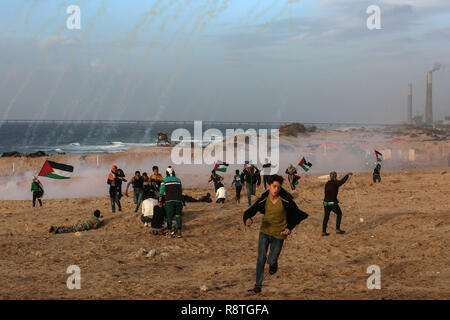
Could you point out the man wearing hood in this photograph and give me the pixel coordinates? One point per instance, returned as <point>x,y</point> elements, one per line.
<point>331,203</point>
<point>281,215</point>
<point>172,190</point>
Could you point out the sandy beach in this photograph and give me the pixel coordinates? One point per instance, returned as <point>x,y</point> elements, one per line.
<point>401,225</point>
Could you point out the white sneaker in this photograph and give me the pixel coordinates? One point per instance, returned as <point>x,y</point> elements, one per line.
<point>145,224</point>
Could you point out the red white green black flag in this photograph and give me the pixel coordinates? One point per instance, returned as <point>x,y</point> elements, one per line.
<point>56,170</point>
<point>305,164</point>
<point>379,156</point>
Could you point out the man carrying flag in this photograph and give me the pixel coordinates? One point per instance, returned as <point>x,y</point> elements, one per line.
<point>38,191</point>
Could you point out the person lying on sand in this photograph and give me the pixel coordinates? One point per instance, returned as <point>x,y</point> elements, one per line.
<point>281,215</point>
<point>92,223</point>
<point>331,203</point>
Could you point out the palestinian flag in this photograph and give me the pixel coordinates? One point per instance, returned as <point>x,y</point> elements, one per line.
<point>305,164</point>
<point>379,156</point>
<point>56,170</point>
<point>221,166</point>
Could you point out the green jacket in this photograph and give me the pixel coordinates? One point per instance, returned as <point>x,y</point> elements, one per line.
<point>92,223</point>
<point>34,187</point>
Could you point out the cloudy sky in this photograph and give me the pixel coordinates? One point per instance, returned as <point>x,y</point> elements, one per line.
<point>252,60</point>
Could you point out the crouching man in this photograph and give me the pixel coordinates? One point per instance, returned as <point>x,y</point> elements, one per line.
<point>281,215</point>
<point>92,223</point>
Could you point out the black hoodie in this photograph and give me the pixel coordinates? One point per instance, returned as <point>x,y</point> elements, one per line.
<point>293,214</point>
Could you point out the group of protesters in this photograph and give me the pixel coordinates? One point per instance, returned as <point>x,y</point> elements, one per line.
<point>162,201</point>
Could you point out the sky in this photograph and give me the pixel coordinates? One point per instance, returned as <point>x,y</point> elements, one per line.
<point>253,60</point>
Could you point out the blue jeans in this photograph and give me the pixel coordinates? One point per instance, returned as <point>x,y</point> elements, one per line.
<point>138,195</point>
<point>263,246</point>
<point>251,190</point>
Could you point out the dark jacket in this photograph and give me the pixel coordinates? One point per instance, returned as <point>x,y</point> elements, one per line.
<point>248,177</point>
<point>293,214</point>
<point>332,189</point>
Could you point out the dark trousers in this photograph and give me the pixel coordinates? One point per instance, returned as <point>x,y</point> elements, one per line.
<point>115,198</point>
<point>138,194</point>
<point>238,192</point>
<point>376,177</point>
<point>173,208</point>
<point>220,200</point>
<point>251,190</point>
<point>265,181</point>
<point>263,246</point>
<point>38,199</point>
<point>327,209</point>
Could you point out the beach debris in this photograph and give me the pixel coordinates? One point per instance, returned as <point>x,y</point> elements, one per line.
<point>152,253</point>
<point>164,254</point>
<point>443,172</point>
<point>361,219</point>
<point>38,254</point>
<point>142,252</point>
<point>77,234</point>
<point>203,288</point>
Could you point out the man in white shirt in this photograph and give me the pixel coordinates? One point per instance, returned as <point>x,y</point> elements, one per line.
<point>147,210</point>
<point>221,194</point>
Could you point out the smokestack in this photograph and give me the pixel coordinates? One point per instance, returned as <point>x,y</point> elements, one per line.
<point>429,105</point>
<point>410,120</point>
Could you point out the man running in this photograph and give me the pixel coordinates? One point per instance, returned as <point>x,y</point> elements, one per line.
<point>38,191</point>
<point>216,179</point>
<point>331,203</point>
<point>138,189</point>
<point>238,185</point>
<point>252,178</point>
<point>92,223</point>
<point>173,190</point>
<point>281,215</point>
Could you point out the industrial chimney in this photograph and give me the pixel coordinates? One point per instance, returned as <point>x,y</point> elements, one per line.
<point>410,119</point>
<point>429,105</point>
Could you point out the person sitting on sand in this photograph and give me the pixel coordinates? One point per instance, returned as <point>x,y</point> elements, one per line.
<point>159,214</point>
<point>281,215</point>
<point>221,194</point>
<point>38,191</point>
<point>376,174</point>
<point>331,203</point>
<point>92,223</point>
<point>172,189</point>
<point>147,210</point>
